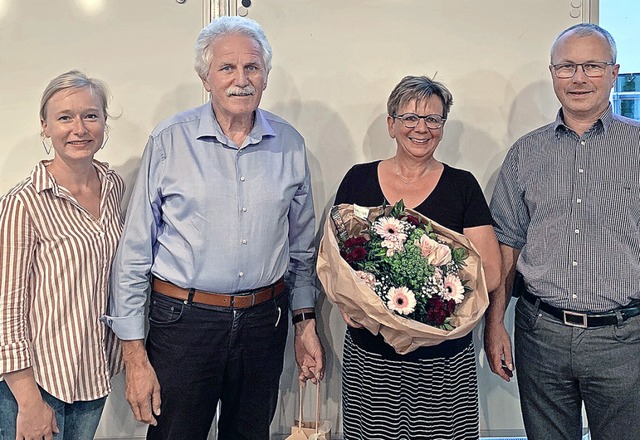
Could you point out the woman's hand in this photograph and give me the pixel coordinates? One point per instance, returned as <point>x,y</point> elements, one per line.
<point>36,420</point>
<point>350,322</point>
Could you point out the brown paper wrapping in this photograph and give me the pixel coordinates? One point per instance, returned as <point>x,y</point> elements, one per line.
<point>353,296</point>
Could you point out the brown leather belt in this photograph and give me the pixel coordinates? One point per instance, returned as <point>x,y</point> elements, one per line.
<point>241,300</point>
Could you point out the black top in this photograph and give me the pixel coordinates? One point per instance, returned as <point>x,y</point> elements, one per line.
<point>456,203</point>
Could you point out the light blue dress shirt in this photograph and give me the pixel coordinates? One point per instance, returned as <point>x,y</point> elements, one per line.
<point>208,215</point>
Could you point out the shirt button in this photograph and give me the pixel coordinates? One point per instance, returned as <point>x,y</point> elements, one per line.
<point>580,170</point>
<point>578,200</point>
<point>242,179</point>
<point>582,142</point>
<point>574,263</point>
<point>244,209</point>
<point>240,274</point>
<point>244,241</point>
<point>577,231</point>
<point>574,296</point>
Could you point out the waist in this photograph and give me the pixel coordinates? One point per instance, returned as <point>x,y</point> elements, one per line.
<point>585,319</point>
<point>240,300</point>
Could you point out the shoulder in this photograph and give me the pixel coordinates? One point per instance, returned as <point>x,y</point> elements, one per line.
<point>280,125</point>
<point>534,138</point>
<point>459,177</point>
<point>364,169</point>
<point>187,117</point>
<point>14,199</point>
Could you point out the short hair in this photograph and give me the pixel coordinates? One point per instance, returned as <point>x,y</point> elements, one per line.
<point>586,29</point>
<point>74,79</point>
<point>418,88</point>
<point>229,25</point>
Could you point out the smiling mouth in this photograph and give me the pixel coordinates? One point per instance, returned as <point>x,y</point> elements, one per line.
<point>420,141</point>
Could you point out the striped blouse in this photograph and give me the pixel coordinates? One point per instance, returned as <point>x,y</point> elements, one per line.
<point>55,259</point>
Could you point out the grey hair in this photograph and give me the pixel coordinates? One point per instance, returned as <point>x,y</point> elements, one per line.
<point>228,25</point>
<point>418,88</point>
<point>74,79</point>
<point>586,29</point>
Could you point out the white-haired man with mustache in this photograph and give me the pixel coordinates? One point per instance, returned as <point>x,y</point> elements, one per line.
<point>220,228</point>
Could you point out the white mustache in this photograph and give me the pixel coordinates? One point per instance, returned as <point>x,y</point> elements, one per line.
<point>241,91</point>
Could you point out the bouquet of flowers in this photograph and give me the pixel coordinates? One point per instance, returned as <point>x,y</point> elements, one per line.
<point>402,275</point>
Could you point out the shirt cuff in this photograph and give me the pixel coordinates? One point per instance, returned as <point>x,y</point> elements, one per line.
<point>126,328</point>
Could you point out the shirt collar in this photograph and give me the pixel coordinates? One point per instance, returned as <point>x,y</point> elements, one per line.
<point>43,180</point>
<point>209,127</point>
<point>602,123</point>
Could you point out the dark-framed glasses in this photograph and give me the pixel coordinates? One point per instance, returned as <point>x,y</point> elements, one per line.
<point>411,120</point>
<point>592,70</point>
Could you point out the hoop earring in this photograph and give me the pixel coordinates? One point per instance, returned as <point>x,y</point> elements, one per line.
<point>106,138</point>
<point>47,145</point>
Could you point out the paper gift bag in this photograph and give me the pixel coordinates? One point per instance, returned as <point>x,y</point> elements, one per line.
<point>310,429</point>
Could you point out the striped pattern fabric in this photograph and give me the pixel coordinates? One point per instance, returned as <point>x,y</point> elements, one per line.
<point>434,399</point>
<point>572,205</point>
<point>55,259</point>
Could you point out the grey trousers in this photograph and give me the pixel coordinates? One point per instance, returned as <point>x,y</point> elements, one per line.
<point>560,367</point>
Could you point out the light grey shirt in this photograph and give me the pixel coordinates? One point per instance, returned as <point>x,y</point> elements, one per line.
<point>571,204</point>
<point>208,215</point>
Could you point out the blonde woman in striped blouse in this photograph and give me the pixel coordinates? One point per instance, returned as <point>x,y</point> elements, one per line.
<point>58,232</point>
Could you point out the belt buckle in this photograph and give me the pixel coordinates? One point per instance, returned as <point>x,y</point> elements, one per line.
<point>583,324</point>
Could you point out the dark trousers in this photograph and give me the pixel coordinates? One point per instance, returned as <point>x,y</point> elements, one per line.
<point>205,354</point>
<point>560,367</point>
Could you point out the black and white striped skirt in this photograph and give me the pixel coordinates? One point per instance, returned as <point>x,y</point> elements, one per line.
<point>434,399</point>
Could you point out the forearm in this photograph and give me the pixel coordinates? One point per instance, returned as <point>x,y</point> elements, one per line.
<point>23,386</point>
<point>500,297</point>
<point>134,353</point>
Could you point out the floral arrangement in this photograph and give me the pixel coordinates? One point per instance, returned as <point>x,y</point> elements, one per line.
<point>413,271</point>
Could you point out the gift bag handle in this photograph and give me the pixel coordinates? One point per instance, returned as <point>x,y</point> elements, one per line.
<point>317,407</point>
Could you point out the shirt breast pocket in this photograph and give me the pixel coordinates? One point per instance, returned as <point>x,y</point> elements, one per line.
<point>617,204</point>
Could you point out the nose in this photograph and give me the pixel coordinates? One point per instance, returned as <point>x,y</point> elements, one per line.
<point>241,78</point>
<point>421,126</point>
<point>79,126</point>
<point>579,76</point>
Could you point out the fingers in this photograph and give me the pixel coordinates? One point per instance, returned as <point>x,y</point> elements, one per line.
<point>350,322</point>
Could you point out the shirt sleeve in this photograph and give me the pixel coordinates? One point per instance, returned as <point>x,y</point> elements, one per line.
<point>17,243</point>
<point>130,275</point>
<point>510,213</point>
<point>301,276</point>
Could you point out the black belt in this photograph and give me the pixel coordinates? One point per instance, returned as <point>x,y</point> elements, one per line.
<point>585,319</point>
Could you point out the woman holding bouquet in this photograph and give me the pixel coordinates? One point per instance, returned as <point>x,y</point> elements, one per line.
<point>429,393</point>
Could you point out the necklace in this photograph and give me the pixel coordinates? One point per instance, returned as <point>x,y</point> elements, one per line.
<point>402,179</point>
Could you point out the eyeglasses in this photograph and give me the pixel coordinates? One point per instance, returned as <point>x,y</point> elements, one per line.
<point>592,70</point>
<point>411,120</point>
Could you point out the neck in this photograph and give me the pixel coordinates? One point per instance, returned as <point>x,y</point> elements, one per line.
<point>72,175</point>
<point>412,172</point>
<point>235,126</point>
<point>580,123</point>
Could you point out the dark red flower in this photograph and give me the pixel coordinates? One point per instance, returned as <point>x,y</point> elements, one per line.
<point>356,254</point>
<point>415,221</point>
<point>355,241</point>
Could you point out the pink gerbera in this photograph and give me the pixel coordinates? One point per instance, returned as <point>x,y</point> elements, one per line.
<point>401,300</point>
<point>390,229</point>
<point>453,289</point>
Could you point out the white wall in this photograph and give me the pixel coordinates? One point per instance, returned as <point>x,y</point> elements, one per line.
<point>335,63</point>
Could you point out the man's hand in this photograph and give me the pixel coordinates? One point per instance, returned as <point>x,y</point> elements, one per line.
<point>497,345</point>
<point>309,352</point>
<point>143,388</point>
